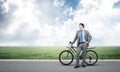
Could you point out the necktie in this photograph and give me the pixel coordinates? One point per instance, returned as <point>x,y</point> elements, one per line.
<point>81,36</point>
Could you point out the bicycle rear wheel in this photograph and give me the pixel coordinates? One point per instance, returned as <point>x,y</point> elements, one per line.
<point>91,57</point>
<point>66,57</point>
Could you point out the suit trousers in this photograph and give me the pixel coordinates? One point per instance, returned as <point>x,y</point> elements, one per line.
<point>82,47</point>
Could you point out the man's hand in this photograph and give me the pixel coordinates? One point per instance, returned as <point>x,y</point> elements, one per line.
<point>70,42</point>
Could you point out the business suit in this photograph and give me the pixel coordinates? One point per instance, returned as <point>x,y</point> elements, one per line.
<point>82,46</point>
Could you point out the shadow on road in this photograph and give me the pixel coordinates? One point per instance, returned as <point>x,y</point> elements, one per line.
<point>96,65</point>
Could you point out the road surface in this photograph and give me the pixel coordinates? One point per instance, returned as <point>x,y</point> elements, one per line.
<point>55,66</point>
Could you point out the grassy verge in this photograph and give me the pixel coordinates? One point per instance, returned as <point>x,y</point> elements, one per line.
<point>29,52</point>
<point>108,52</point>
<point>52,52</point>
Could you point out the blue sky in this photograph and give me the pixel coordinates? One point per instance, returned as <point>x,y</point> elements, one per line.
<point>117,4</point>
<point>54,22</point>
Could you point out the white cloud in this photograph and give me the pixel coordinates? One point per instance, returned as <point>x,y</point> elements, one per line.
<point>24,21</point>
<point>98,16</point>
<point>58,3</point>
<point>33,23</point>
<point>24,14</point>
<point>40,23</point>
<point>4,6</point>
<point>12,43</point>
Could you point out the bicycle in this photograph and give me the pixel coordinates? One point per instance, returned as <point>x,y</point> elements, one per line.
<point>66,57</point>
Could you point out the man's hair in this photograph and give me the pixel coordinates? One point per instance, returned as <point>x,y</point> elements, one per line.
<point>82,24</point>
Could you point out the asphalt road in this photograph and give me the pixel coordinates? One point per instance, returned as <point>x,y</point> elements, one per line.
<point>55,66</point>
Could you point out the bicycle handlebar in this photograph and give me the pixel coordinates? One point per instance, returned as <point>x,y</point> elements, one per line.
<point>71,45</point>
<point>70,42</point>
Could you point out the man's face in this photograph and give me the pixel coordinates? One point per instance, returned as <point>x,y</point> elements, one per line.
<point>81,27</point>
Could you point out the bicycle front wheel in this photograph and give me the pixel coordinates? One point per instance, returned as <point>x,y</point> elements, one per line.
<point>91,57</point>
<point>66,57</point>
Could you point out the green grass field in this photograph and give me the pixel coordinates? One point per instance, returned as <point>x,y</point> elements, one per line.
<point>52,52</point>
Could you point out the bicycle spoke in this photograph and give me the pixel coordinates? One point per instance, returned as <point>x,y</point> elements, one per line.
<point>91,57</point>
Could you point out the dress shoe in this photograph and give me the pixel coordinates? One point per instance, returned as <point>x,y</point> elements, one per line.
<point>76,66</point>
<point>83,66</point>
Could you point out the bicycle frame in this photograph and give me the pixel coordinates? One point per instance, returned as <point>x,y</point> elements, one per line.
<point>72,48</point>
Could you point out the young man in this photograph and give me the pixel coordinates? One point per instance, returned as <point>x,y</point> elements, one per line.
<point>83,38</point>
